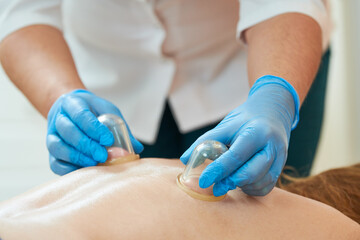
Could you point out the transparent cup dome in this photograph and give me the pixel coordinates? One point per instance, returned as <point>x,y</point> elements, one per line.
<point>204,154</point>
<point>122,149</point>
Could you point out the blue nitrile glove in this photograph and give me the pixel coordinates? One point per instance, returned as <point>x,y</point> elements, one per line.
<point>258,133</point>
<point>75,137</point>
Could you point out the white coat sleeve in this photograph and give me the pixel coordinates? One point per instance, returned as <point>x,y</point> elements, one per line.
<point>16,14</point>
<point>253,12</point>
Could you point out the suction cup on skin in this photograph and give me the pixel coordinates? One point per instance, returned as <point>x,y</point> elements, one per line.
<point>204,154</point>
<point>122,150</point>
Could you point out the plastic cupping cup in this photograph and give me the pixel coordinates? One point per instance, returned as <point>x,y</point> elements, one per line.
<point>122,149</point>
<point>205,153</point>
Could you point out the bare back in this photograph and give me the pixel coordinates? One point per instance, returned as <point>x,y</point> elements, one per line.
<point>140,200</point>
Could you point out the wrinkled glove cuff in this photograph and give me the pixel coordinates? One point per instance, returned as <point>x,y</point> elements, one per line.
<point>270,79</point>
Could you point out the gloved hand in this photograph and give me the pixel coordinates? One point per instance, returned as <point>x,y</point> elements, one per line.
<point>75,137</point>
<point>258,133</point>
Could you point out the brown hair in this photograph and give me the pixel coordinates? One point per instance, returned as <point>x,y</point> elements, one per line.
<point>339,188</point>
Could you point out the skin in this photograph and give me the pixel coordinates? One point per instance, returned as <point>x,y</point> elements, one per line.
<point>38,61</point>
<point>140,200</point>
<point>287,46</point>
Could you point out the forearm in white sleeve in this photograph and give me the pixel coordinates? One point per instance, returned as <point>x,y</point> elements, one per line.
<point>16,14</point>
<point>253,12</point>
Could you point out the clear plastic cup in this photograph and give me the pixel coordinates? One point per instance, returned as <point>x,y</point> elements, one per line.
<point>204,154</point>
<point>122,150</point>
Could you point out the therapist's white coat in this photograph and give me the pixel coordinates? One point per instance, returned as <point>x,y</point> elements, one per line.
<point>138,53</point>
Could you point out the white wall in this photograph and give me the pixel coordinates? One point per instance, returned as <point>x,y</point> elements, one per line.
<point>24,158</point>
<point>352,43</point>
<point>23,154</point>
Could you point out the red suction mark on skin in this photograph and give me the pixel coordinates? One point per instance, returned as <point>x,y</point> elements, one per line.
<point>116,152</point>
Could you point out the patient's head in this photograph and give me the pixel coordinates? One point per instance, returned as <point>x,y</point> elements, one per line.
<point>339,188</point>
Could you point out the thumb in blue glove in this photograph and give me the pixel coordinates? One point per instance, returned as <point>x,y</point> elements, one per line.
<point>75,137</point>
<point>258,134</point>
